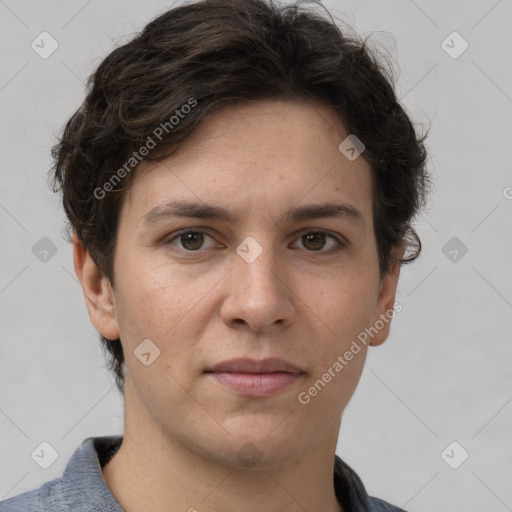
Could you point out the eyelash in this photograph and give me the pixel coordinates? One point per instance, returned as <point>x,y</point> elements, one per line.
<point>177,235</point>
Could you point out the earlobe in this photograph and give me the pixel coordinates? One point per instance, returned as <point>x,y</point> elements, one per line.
<point>386,300</point>
<point>98,292</point>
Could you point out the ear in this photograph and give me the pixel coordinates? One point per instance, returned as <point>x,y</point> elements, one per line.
<point>98,292</point>
<point>386,300</point>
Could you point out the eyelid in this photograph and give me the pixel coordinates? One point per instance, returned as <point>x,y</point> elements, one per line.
<point>339,238</point>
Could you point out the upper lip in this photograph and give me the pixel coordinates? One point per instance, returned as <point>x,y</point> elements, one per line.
<point>245,365</point>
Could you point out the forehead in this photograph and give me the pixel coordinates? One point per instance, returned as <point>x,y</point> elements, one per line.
<point>257,157</point>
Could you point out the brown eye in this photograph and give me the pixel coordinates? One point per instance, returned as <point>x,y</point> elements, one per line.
<point>192,240</point>
<point>315,241</point>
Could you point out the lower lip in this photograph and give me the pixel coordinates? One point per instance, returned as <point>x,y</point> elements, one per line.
<point>256,384</point>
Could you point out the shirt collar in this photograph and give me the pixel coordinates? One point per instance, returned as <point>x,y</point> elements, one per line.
<point>349,488</point>
<point>83,482</point>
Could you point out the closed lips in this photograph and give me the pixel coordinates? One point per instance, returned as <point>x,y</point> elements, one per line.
<point>244,365</point>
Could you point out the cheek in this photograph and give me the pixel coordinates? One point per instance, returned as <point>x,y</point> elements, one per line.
<point>343,306</point>
<point>344,309</point>
<point>143,303</point>
<point>163,303</point>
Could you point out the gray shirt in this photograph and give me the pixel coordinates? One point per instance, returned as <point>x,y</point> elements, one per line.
<point>82,487</point>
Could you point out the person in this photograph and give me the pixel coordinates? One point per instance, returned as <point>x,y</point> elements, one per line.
<point>240,183</point>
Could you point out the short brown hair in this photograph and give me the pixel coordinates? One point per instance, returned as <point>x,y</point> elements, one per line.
<point>219,53</point>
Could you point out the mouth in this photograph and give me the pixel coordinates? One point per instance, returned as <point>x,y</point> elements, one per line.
<point>253,378</point>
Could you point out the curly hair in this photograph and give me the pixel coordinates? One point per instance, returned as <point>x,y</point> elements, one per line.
<point>220,53</point>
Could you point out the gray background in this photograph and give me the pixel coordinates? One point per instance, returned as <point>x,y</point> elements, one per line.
<point>444,373</point>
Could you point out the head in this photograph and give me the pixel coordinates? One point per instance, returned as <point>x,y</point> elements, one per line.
<point>242,108</point>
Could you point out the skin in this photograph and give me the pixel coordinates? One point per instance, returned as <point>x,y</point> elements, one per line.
<point>183,430</point>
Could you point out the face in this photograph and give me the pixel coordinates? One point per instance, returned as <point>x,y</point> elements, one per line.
<point>261,274</point>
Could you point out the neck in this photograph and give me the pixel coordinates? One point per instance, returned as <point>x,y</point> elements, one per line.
<point>158,472</point>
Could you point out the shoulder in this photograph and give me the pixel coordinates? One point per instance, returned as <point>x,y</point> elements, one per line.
<point>49,496</point>
<point>80,488</point>
<point>352,494</point>
<point>378,505</point>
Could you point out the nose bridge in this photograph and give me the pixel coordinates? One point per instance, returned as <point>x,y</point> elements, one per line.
<point>257,293</point>
<point>256,264</point>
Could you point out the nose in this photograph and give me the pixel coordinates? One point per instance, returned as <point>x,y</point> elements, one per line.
<point>259,293</point>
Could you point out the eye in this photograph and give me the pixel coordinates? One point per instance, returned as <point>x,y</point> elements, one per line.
<point>314,241</point>
<point>191,240</point>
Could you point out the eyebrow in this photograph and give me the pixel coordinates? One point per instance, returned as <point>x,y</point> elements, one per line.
<point>187,209</point>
